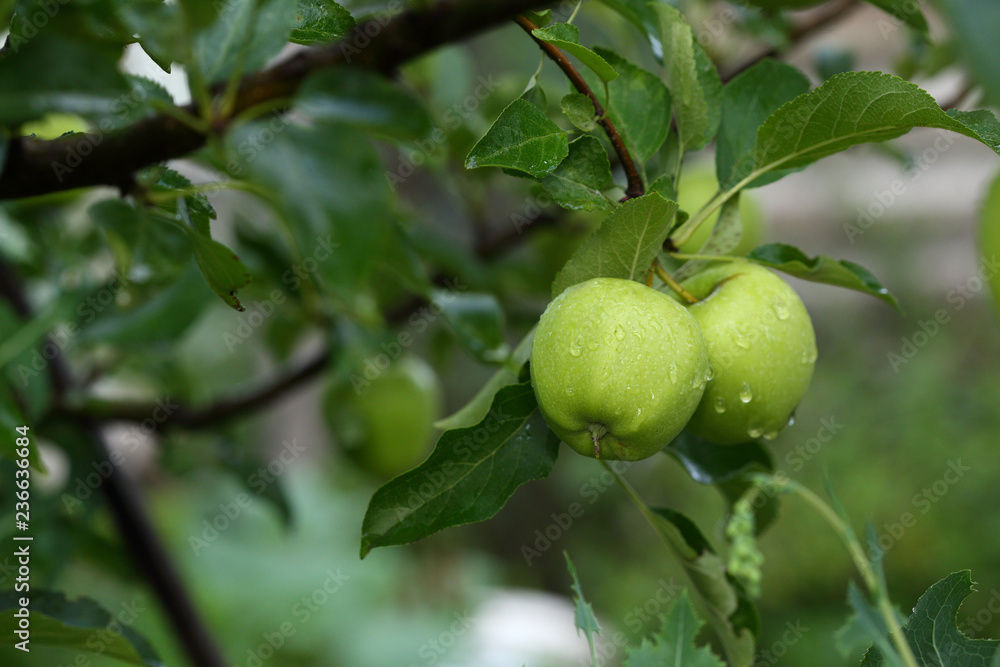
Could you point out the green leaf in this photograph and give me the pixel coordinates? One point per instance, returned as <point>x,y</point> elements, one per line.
<point>319,21</point>
<point>477,321</point>
<point>624,246</point>
<point>366,100</point>
<point>11,418</point>
<point>59,69</point>
<point>132,107</point>
<point>640,13</point>
<point>729,467</point>
<point>540,18</point>
<point>873,624</point>
<point>905,10</point>
<point>247,34</point>
<point>821,269</point>
<point>933,633</point>
<point>522,138</point>
<point>854,108</point>
<point>476,409</point>
<point>693,81</point>
<point>468,478</point>
<point>675,643</point>
<point>747,101</point>
<point>978,22</point>
<point>199,14</point>
<point>328,183</point>
<point>221,267</point>
<point>586,621</point>
<point>566,36</point>
<point>729,612</point>
<point>161,319</point>
<point>638,103</point>
<point>709,463</point>
<point>199,211</point>
<point>580,110</point>
<point>580,180</point>
<point>79,625</point>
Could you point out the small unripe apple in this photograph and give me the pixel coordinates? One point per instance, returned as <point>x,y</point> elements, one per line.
<point>762,348</point>
<point>384,425</point>
<point>618,368</point>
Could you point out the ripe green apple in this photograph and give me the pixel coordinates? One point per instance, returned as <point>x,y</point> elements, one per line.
<point>618,368</point>
<point>698,185</point>
<point>385,425</point>
<point>762,348</point>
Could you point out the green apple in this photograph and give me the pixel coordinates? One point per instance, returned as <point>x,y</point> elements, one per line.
<point>618,368</point>
<point>385,424</point>
<point>697,186</point>
<point>54,125</point>
<point>762,348</point>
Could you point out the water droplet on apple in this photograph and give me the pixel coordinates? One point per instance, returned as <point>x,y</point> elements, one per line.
<point>741,341</point>
<point>755,432</point>
<point>570,391</point>
<point>672,373</point>
<point>577,347</point>
<point>808,356</point>
<point>781,310</point>
<point>770,435</point>
<point>720,405</point>
<point>710,374</point>
<point>619,332</point>
<point>745,394</point>
<point>791,419</point>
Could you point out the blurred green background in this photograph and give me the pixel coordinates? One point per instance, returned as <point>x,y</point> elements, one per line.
<point>282,583</point>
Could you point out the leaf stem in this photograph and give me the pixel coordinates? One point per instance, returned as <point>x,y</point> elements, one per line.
<point>673,284</point>
<point>635,187</point>
<point>676,550</point>
<point>863,565</point>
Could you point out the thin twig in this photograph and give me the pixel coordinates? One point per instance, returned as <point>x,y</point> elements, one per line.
<point>635,187</point>
<point>802,31</point>
<point>134,525</point>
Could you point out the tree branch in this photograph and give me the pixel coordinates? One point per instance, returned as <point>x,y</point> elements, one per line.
<point>635,188</point>
<point>802,31</point>
<point>36,167</point>
<point>213,414</point>
<point>134,525</point>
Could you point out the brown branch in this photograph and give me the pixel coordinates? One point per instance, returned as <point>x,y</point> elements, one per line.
<point>133,523</point>
<point>817,21</point>
<point>213,414</point>
<point>635,187</point>
<point>36,167</point>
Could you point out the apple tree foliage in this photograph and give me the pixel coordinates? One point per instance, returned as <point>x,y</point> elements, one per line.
<point>334,124</point>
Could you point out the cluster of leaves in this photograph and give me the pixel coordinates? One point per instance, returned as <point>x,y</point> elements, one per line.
<point>319,174</point>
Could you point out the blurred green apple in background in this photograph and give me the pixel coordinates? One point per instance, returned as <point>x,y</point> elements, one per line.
<point>762,348</point>
<point>697,185</point>
<point>618,368</point>
<point>385,426</point>
<point>54,125</point>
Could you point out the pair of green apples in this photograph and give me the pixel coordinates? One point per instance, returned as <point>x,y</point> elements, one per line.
<point>619,368</point>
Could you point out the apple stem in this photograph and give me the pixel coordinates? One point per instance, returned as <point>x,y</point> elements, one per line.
<point>597,431</point>
<point>673,284</point>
